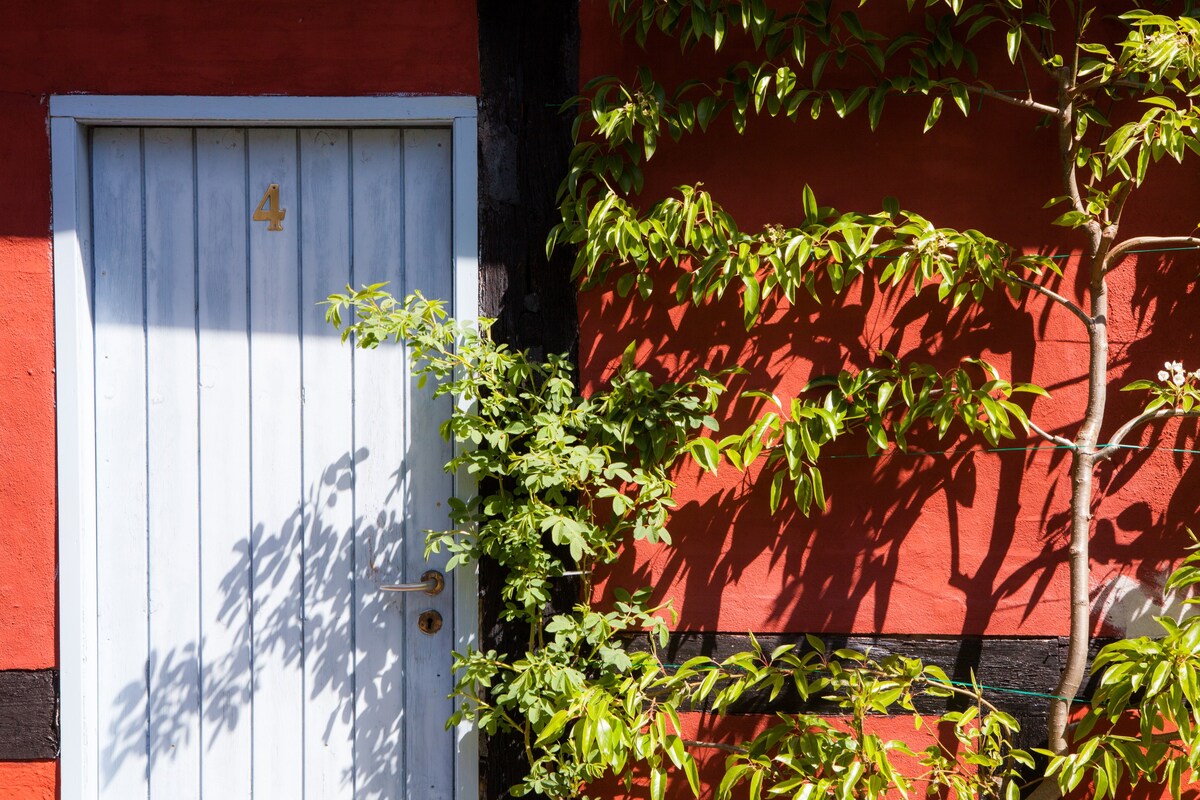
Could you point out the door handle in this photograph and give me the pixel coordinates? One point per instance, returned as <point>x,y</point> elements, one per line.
<point>432,582</point>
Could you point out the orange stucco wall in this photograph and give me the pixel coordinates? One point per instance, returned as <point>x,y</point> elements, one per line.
<point>33,780</point>
<point>964,543</point>
<point>147,47</point>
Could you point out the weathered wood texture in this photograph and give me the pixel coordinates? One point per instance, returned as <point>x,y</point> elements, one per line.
<point>1022,664</point>
<point>258,479</point>
<point>28,714</point>
<point>529,54</point>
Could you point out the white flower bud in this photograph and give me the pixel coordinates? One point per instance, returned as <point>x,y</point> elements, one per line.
<point>1162,375</point>
<point>1178,379</point>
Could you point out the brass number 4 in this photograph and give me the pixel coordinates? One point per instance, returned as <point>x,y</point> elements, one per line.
<point>268,209</point>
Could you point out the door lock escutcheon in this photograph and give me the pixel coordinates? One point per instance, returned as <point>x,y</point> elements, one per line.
<point>429,622</point>
<point>432,582</point>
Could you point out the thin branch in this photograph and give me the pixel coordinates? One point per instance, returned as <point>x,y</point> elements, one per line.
<point>1114,441</point>
<point>1081,89</point>
<point>1147,241</point>
<point>1058,298</point>
<point>1068,144</point>
<point>1020,102</point>
<point>729,748</point>
<point>1050,437</point>
<point>963,693</point>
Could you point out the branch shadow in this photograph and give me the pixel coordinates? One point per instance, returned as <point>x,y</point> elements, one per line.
<point>294,607</point>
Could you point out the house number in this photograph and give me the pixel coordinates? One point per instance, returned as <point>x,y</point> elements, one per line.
<point>268,209</point>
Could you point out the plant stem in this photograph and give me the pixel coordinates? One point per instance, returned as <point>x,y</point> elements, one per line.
<point>1083,457</point>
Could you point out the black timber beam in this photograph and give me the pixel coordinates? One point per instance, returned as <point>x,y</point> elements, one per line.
<point>1021,670</point>
<point>529,67</point>
<point>28,714</point>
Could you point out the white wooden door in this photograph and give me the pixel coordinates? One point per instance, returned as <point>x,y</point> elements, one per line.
<point>257,480</point>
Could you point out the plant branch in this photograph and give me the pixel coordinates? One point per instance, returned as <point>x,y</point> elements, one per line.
<point>1020,102</point>
<point>949,687</point>
<point>729,748</point>
<point>1050,437</point>
<point>1114,442</point>
<point>1068,143</point>
<point>1122,248</point>
<point>1058,298</point>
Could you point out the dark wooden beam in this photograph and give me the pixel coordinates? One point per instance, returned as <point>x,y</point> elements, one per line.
<point>28,715</point>
<point>529,66</point>
<point>1024,666</point>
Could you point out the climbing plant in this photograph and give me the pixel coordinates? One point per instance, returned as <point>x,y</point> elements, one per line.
<point>566,482</point>
<point>570,480</point>
<point>1116,106</point>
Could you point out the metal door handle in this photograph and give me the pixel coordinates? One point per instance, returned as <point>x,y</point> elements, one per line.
<point>432,582</point>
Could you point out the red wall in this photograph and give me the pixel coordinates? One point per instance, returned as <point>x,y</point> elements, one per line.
<point>967,543</point>
<point>297,47</point>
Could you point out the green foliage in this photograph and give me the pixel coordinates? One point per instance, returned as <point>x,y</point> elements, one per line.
<point>807,756</point>
<point>1153,686</point>
<point>565,481</point>
<point>558,472</point>
<point>1157,62</point>
<point>1175,388</point>
<point>696,233</point>
<point>881,402</point>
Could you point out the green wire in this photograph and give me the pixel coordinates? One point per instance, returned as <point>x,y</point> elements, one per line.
<point>1006,450</point>
<point>969,685</point>
<point>1006,690</point>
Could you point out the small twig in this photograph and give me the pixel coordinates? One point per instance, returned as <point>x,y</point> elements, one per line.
<point>1050,437</point>
<point>1146,241</point>
<point>729,748</point>
<point>1020,102</point>
<point>1114,441</point>
<point>963,692</point>
<point>1058,298</point>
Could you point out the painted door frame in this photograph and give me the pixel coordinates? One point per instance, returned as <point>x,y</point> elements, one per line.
<point>70,118</point>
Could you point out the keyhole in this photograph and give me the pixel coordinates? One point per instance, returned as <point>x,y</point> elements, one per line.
<point>429,622</point>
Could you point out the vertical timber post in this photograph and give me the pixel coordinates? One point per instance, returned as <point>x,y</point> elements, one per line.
<point>529,64</point>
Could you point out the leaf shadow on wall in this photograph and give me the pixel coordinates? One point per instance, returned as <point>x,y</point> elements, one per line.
<point>960,542</point>
<point>293,611</point>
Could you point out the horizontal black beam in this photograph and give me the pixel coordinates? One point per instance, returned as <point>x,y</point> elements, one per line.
<point>28,714</point>
<point>1024,666</point>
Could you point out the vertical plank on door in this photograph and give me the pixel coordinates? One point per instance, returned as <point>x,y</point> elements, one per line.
<point>122,647</point>
<point>380,389</point>
<point>171,464</point>
<point>429,268</point>
<point>223,217</point>
<point>275,479</point>
<point>324,222</point>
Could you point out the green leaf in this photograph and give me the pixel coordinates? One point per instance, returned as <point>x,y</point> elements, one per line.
<point>811,210</point>
<point>935,111</point>
<point>776,490</point>
<point>961,99</point>
<point>1013,43</point>
<point>658,783</point>
<point>750,300</point>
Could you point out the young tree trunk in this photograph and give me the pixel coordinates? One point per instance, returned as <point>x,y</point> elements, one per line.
<point>1083,457</point>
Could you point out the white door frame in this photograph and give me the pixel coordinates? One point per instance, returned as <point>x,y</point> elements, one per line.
<point>70,118</point>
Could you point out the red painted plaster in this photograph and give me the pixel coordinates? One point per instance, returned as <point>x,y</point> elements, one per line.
<point>29,780</point>
<point>235,47</point>
<point>968,542</point>
<point>27,466</point>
